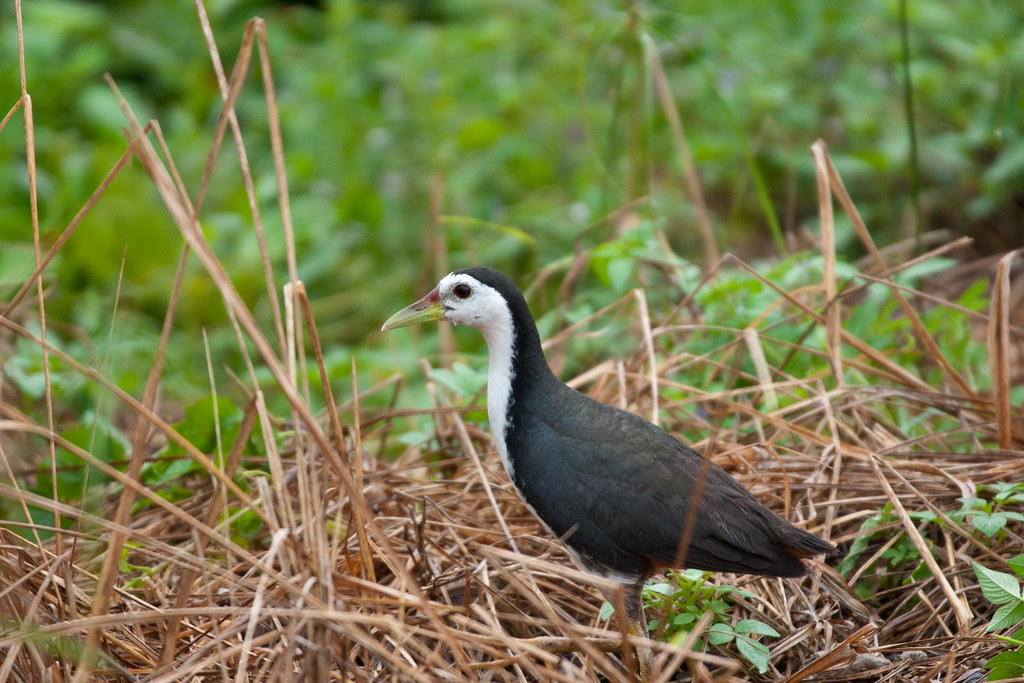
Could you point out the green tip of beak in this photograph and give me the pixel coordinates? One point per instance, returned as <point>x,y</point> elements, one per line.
<point>426,309</point>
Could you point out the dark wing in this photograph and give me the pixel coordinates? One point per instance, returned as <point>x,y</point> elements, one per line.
<point>622,495</point>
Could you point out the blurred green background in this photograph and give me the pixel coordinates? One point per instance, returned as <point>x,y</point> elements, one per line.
<point>537,119</point>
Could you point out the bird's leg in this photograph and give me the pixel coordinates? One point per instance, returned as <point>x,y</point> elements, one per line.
<point>638,627</point>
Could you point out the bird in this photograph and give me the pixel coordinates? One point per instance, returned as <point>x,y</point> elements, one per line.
<point>617,490</point>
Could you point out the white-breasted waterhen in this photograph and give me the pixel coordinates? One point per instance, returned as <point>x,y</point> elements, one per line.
<point>614,487</point>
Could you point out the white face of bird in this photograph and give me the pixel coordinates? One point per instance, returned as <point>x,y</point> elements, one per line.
<point>467,301</point>
<point>461,299</point>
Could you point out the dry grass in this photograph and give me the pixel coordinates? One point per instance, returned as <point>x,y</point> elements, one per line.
<point>429,567</point>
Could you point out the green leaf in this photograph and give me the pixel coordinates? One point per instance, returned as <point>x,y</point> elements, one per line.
<point>677,639</point>
<point>73,474</point>
<point>16,263</point>
<point>1006,616</point>
<point>1006,665</point>
<point>620,273</point>
<point>177,467</point>
<point>661,589</point>
<point>756,627</point>
<point>607,610</point>
<point>913,274</point>
<point>921,573</point>
<point>248,525</point>
<point>1014,496</point>
<point>989,525</point>
<point>1016,563</point>
<point>461,379</point>
<point>738,591</point>
<point>684,618</point>
<point>416,437</point>
<point>974,297</point>
<point>1011,496</point>
<point>755,652</point>
<point>200,427</point>
<point>720,634</point>
<point>27,376</point>
<point>860,543</point>
<point>126,566</point>
<point>1000,488</point>
<point>997,586</point>
<point>480,133</point>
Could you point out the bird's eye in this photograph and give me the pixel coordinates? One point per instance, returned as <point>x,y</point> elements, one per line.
<point>462,290</point>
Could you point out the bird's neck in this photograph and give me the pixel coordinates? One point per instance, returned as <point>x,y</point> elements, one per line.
<point>515,358</point>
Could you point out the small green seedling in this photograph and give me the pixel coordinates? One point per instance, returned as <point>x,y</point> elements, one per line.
<point>684,598</point>
<point>1004,590</point>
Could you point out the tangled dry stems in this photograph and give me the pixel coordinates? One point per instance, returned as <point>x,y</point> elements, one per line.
<point>457,579</point>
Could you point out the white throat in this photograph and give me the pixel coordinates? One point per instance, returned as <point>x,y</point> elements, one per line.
<point>500,339</point>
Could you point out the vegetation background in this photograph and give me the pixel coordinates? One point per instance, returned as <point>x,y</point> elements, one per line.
<point>586,148</point>
<point>536,118</point>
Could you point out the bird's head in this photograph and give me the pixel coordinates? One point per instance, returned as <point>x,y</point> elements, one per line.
<point>465,298</point>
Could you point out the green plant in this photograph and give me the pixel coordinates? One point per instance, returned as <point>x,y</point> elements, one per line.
<point>989,516</point>
<point>685,597</point>
<point>556,130</point>
<point>211,426</point>
<point>1004,590</point>
<point>901,562</point>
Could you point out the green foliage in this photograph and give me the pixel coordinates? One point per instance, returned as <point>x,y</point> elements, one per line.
<point>686,597</point>
<point>901,562</point>
<point>68,649</point>
<point>75,478</point>
<point>989,517</point>
<point>461,379</point>
<point>736,299</point>
<point>209,426</point>
<point>76,482</point>
<point>1009,664</point>
<point>212,427</point>
<point>755,652</point>
<point>537,116</point>
<point>127,567</point>
<point>617,262</point>
<point>246,526</point>
<point>1004,590</point>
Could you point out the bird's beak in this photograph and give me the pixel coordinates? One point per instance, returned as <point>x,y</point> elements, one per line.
<point>426,309</point>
